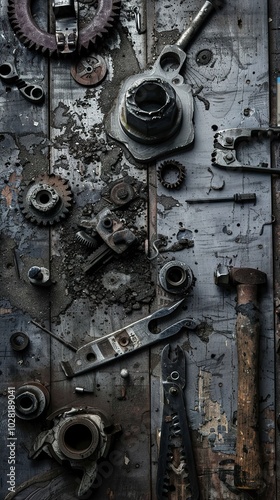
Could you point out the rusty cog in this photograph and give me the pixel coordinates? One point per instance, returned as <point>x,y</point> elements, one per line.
<point>46,199</point>
<point>33,37</point>
<point>171,174</point>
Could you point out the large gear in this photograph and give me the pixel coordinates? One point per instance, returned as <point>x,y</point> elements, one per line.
<point>33,37</point>
<point>46,199</point>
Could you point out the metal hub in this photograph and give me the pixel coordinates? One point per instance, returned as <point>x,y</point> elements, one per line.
<point>46,199</point>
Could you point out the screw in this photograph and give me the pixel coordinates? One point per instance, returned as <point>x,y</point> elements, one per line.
<point>173,391</point>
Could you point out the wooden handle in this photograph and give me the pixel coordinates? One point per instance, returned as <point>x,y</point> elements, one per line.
<point>248,471</point>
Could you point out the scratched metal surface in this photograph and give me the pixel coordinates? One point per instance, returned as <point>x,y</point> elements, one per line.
<point>67,136</point>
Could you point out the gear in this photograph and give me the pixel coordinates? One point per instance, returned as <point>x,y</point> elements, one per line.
<point>33,37</point>
<point>46,199</point>
<point>171,174</point>
<point>86,239</point>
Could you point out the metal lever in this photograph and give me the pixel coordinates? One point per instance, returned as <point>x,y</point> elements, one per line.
<point>142,333</point>
<point>33,93</point>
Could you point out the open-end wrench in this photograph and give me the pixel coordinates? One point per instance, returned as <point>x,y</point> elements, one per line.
<point>176,473</point>
<point>33,93</point>
<point>129,339</point>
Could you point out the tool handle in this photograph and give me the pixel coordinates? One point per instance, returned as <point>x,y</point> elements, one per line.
<point>244,197</point>
<point>248,472</point>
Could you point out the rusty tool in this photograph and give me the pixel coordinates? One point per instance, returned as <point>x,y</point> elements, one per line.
<point>248,470</point>
<point>176,468</point>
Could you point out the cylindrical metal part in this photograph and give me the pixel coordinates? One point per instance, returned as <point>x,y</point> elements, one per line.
<point>196,23</point>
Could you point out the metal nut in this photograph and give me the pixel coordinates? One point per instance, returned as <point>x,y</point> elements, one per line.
<point>26,403</point>
<point>151,111</point>
<point>222,275</point>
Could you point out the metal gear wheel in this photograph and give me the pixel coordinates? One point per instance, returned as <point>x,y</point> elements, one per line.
<point>171,174</point>
<point>46,199</point>
<point>29,33</point>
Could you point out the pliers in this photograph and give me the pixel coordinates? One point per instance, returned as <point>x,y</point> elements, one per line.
<point>176,475</point>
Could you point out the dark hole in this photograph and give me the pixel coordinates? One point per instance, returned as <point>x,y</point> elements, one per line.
<point>26,403</point>
<point>78,437</point>
<point>91,356</point>
<point>44,197</point>
<point>150,97</point>
<point>175,275</point>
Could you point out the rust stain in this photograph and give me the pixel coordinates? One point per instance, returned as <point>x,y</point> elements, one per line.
<point>5,311</point>
<point>8,190</point>
<point>110,494</point>
<point>215,419</point>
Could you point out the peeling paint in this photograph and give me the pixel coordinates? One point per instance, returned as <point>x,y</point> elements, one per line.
<point>215,423</point>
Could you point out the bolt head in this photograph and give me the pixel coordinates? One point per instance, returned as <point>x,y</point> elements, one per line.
<point>222,275</point>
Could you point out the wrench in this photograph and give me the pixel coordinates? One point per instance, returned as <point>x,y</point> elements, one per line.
<point>33,93</point>
<point>127,340</point>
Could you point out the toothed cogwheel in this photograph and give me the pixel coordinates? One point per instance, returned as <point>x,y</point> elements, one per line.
<point>33,37</point>
<point>171,174</point>
<point>45,200</point>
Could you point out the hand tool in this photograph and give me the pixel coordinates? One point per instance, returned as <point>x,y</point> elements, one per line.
<point>176,467</point>
<point>248,471</point>
<point>236,198</point>
<point>33,93</point>
<point>225,142</point>
<point>142,333</point>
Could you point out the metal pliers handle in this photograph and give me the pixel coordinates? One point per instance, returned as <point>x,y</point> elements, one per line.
<point>176,458</point>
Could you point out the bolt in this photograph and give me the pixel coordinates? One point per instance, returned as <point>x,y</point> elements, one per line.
<point>124,373</point>
<point>35,273</point>
<point>229,140</point>
<point>122,193</point>
<point>173,391</point>
<point>229,157</point>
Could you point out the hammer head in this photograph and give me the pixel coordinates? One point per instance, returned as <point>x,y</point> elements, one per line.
<point>239,276</point>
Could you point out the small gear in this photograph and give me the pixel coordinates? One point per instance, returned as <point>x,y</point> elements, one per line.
<point>45,199</point>
<point>171,174</point>
<point>86,239</point>
<point>33,37</point>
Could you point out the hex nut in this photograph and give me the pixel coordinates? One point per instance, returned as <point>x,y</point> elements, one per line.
<point>31,400</point>
<point>26,403</point>
<point>151,111</point>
